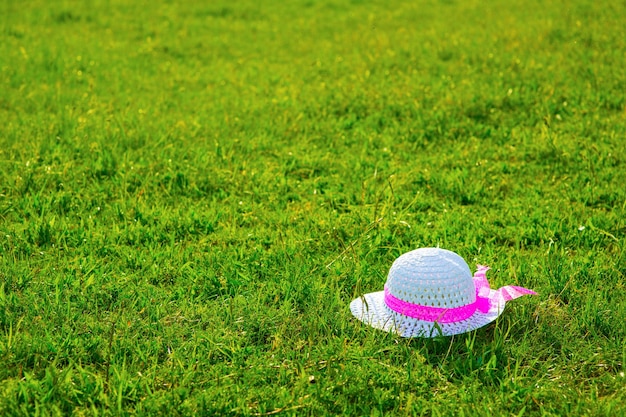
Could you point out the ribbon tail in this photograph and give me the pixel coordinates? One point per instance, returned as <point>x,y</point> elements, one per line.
<point>511,292</point>
<point>486,298</point>
<point>483,291</point>
<point>480,281</point>
<point>508,293</point>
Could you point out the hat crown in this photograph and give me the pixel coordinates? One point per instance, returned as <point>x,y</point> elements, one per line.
<point>432,277</point>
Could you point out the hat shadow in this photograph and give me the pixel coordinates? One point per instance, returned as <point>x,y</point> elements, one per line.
<point>484,353</point>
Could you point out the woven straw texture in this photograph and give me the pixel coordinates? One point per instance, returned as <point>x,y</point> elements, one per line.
<point>371,309</point>
<point>430,277</point>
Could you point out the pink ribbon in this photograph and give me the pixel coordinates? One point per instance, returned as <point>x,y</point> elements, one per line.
<point>484,301</point>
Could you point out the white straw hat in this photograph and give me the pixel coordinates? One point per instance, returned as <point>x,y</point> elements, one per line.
<point>431,292</point>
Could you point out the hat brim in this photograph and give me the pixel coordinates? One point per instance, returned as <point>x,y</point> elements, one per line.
<point>372,310</point>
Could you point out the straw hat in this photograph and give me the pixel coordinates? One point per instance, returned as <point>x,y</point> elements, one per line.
<point>431,292</point>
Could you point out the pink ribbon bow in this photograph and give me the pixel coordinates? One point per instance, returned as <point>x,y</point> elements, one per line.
<point>485,299</point>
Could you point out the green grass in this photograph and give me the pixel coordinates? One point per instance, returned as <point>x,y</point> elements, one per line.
<point>191,194</point>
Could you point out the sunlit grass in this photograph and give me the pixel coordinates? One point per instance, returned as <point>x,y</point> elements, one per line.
<point>191,194</point>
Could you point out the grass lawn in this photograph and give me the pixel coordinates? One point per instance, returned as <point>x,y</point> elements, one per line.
<point>191,193</point>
